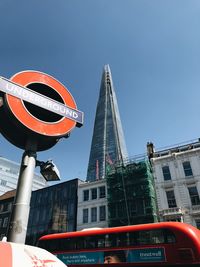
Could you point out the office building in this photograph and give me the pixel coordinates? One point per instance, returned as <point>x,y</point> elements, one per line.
<point>9,173</point>
<point>177,180</point>
<point>92,205</point>
<point>53,210</point>
<point>108,143</point>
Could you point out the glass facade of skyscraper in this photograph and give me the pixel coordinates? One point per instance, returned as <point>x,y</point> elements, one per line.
<point>108,143</point>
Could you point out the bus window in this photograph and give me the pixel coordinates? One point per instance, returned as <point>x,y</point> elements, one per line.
<point>79,243</point>
<point>107,242</point>
<point>51,245</point>
<point>112,240</point>
<point>65,244</point>
<point>101,241</point>
<point>157,236</point>
<point>122,239</point>
<point>117,240</point>
<point>133,238</point>
<point>90,242</point>
<point>144,237</point>
<point>151,237</point>
<point>169,237</point>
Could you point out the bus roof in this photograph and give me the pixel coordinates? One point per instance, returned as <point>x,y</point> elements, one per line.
<point>174,226</point>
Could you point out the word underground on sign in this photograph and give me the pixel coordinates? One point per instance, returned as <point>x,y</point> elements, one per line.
<point>40,100</point>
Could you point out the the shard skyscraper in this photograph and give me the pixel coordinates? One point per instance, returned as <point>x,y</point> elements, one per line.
<point>108,143</point>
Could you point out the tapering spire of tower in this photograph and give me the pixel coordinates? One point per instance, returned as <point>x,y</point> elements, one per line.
<point>108,143</point>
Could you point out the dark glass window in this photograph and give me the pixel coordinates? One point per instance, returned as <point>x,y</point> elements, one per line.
<point>112,212</point>
<point>71,209</point>
<point>90,242</point>
<point>1,207</point>
<point>194,196</point>
<point>102,192</point>
<point>171,199</point>
<point>39,198</point>
<point>132,208</point>
<point>94,193</point>
<point>85,195</point>
<point>101,241</point>
<point>50,196</point>
<point>93,214</point>
<point>10,206</point>
<point>37,216</point>
<point>85,215</point>
<point>166,173</point>
<point>5,222</point>
<point>102,213</point>
<point>53,210</point>
<point>197,223</point>
<point>121,210</point>
<point>187,168</point>
<point>151,237</point>
<point>169,236</point>
<point>43,215</point>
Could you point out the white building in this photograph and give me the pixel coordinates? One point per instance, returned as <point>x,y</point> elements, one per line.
<point>9,173</point>
<point>177,181</point>
<point>92,205</point>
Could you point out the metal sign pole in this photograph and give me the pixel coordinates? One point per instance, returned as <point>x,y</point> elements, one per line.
<point>20,212</point>
<point>34,129</point>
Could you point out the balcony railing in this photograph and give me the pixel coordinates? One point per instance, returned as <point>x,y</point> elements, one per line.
<point>195,210</point>
<point>177,211</point>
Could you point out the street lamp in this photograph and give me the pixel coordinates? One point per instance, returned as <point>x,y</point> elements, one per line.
<point>20,212</point>
<point>48,170</point>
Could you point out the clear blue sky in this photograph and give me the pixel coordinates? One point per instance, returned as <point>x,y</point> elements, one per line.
<point>152,47</point>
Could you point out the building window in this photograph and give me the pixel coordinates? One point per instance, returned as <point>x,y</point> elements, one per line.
<point>194,196</point>
<point>70,209</point>
<point>102,192</point>
<point>85,215</point>
<point>1,207</point>
<point>171,199</point>
<point>37,216</point>
<point>197,221</point>
<point>187,168</point>
<point>166,173</point>
<point>132,208</point>
<point>10,206</point>
<point>93,214</point>
<point>5,222</point>
<point>3,182</point>
<point>102,213</point>
<point>43,215</point>
<point>94,193</point>
<point>85,195</point>
<point>39,198</point>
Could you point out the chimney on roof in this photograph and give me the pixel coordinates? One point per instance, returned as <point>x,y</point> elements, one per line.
<point>150,150</point>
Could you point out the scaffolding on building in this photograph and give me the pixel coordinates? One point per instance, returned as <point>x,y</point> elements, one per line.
<point>131,193</point>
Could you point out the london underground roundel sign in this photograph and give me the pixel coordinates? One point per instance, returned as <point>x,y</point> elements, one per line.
<point>37,109</point>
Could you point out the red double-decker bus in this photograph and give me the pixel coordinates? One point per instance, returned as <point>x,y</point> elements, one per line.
<point>153,244</point>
